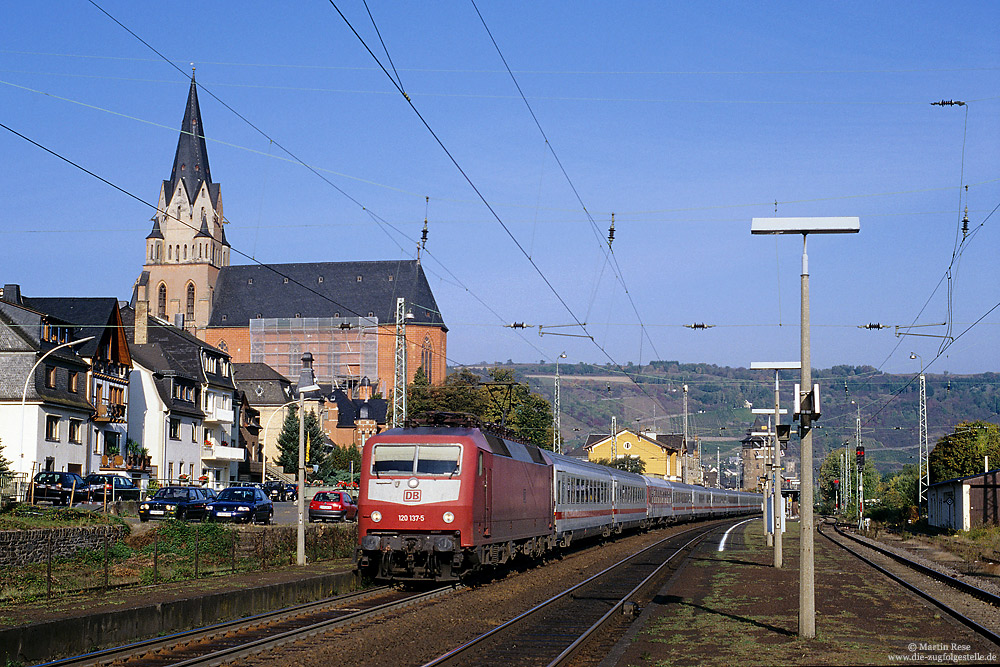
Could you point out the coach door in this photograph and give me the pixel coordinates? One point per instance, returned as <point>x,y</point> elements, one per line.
<point>484,492</point>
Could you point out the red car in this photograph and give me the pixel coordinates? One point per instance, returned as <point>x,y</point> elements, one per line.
<point>333,506</point>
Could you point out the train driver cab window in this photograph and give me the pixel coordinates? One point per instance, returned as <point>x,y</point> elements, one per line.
<point>410,459</point>
<point>393,459</point>
<point>481,466</point>
<point>438,459</point>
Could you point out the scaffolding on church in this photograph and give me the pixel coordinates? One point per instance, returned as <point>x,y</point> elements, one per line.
<point>344,349</point>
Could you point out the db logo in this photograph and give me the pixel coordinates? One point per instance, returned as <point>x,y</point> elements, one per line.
<point>411,496</point>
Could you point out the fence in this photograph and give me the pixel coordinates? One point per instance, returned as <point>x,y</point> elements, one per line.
<point>173,551</point>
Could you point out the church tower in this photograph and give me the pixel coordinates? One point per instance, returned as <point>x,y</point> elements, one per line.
<point>187,245</point>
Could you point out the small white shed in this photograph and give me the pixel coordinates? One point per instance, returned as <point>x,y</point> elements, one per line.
<point>965,502</point>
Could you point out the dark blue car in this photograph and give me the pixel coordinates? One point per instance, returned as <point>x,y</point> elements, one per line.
<point>244,504</point>
<point>175,502</point>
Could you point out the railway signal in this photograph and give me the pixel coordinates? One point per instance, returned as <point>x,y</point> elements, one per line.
<point>860,454</point>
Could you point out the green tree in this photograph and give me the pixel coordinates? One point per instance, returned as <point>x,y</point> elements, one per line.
<point>626,463</point>
<point>963,451</point>
<point>898,492</point>
<point>288,443</point>
<point>4,463</point>
<point>829,472</point>
<point>527,415</point>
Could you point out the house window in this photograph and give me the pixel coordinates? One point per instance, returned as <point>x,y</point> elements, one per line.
<point>194,433</point>
<point>112,443</point>
<point>73,382</point>
<point>50,377</point>
<point>175,429</point>
<point>190,302</point>
<point>52,428</point>
<point>161,301</point>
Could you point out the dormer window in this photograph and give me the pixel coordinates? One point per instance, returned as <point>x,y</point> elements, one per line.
<point>223,318</point>
<point>390,277</point>
<point>285,280</point>
<point>359,279</point>
<point>320,279</point>
<point>249,281</point>
<point>298,314</point>
<point>183,167</point>
<point>371,313</point>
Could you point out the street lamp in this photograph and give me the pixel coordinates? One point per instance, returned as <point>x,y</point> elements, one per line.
<point>807,571</point>
<point>923,463</point>
<point>557,424</point>
<point>777,504</point>
<point>307,383</point>
<point>263,471</point>
<point>24,394</point>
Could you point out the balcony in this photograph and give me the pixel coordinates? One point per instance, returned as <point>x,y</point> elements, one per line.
<point>219,415</point>
<point>129,463</point>
<point>110,412</point>
<point>222,453</point>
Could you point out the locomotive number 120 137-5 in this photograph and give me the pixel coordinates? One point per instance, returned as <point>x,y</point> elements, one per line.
<point>411,517</point>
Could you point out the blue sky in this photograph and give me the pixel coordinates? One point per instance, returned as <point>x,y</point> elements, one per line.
<point>685,120</point>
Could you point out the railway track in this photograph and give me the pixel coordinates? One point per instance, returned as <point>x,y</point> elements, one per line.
<point>232,640</point>
<point>566,626</point>
<point>972,606</point>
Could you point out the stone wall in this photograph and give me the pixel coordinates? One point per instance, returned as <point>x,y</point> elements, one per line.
<point>18,547</point>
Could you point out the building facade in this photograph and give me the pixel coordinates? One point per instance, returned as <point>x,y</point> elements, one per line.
<point>344,313</point>
<point>661,453</point>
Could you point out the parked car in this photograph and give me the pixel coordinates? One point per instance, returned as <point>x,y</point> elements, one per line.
<point>245,504</point>
<point>58,487</point>
<point>175,502</point>
<point>210,492</point>
<point>111,487</point>
<point>275,490</point>
<point>333,506</point>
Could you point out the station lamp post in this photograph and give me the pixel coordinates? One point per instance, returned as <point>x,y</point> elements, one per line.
<point>777,503</point>
<point>808,403</point>
<point>307,383</point>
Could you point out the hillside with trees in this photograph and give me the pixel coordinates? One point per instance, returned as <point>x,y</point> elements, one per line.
<point>720,398</point>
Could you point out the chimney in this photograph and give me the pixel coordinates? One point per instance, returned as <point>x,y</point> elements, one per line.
<point>179,320</point>
<point>365,389</point>
<point>11,293</point>
<point>141,322</point>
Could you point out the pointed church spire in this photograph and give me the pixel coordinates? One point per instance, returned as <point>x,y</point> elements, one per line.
<point>191,158</point>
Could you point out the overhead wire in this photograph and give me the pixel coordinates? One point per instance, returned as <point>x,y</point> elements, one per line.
<point>479,193</point>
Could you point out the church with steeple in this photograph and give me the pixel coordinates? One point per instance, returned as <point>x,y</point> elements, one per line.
<point>342,312</point>
<point>187,246</point>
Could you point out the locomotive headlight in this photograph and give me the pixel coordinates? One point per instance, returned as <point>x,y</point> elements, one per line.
<point>448,517</point>
<point>376,516</point>
<point>412,482</point>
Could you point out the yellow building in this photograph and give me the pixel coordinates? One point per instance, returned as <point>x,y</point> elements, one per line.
<point>661,453</point>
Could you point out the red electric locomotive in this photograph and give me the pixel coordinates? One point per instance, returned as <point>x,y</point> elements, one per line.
<point>443,496</point>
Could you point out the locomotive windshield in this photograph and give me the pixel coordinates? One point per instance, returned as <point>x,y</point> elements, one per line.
<point>416,459</point>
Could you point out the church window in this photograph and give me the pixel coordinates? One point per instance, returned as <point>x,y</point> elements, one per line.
<point>426,357</point>
<point>161,302</point>
<point>190,302</point>
<point>223,345</point>
<point>200,246</point>
<point>170,252</point>
<point>185,251</point>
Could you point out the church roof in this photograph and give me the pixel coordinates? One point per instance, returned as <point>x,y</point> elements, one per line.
<point>332,289</point>
<point>156,233</point>
<point>191,158</point>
